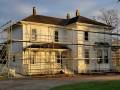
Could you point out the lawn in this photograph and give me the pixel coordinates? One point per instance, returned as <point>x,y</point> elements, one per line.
<point>94,85</point>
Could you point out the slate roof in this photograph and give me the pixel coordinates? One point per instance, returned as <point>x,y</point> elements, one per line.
<point>61,22</point>
<point>45,19</point>
<point>82,19</point>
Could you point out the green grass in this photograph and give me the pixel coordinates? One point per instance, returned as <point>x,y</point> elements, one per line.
<point>96,85</point>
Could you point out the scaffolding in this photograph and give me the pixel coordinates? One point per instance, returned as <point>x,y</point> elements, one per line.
<point>58,50</point>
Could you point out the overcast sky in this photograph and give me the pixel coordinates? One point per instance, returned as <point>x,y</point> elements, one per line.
<point>18,9</point>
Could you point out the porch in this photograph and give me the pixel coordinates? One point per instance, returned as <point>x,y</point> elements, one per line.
<point>47,59</point>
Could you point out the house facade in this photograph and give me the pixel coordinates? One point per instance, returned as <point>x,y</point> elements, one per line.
<point>48,45</point>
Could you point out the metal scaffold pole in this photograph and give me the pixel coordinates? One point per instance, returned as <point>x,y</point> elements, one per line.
<point>9,49</point>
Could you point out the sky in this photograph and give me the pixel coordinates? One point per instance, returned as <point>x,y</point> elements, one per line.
<point>18,9</point>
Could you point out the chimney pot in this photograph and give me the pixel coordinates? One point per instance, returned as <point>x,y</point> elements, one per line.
<point>68,16</point>
<point>77,13</point>
<point>34,11</point>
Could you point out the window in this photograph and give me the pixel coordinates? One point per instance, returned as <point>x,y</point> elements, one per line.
<point>86,36</point>
<point>13,58</point>
<point>99,56</point>
<point>106,56</point>
<point>33,57</point>
<point>34,34</point>
<point>56,36</point>
<point>58,59</point>
<point>86,56</point>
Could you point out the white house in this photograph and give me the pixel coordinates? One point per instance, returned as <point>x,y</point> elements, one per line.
<point>48,45</point>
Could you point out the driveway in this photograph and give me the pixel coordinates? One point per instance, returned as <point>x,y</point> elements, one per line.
<point>47,83</point>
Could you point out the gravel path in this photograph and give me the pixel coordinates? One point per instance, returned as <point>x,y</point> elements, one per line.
<point>46,84</point>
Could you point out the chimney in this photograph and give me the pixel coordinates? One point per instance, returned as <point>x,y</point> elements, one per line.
<point>68,16</point>
<point>77,13</point>
<point>34,11</point>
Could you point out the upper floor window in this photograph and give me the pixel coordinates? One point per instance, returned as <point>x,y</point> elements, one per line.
<point>87,56</point>
<point>56,37</point>
<point>86,35</point>
<point>34,34</point>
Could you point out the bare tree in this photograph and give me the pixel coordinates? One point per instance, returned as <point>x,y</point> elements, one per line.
<point>109,17</point>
